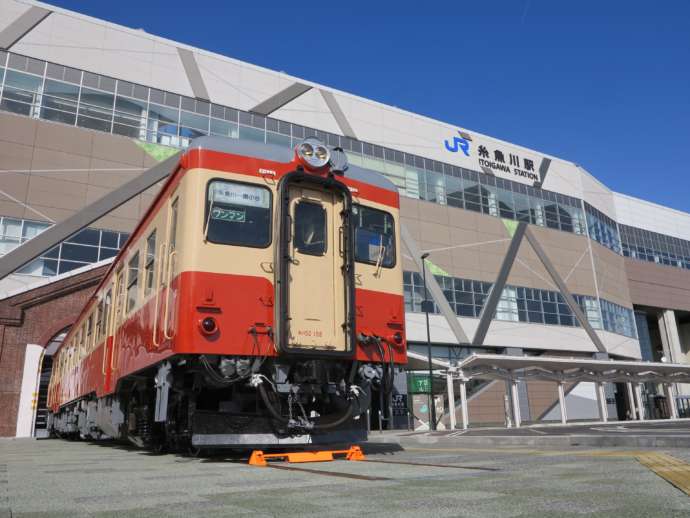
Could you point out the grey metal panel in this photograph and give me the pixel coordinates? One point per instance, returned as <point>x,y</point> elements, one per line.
<point>20,27</point>
<point>543,169</point>
<point>434,288</point>
<point>338,114</point>
<point>489,308</point>
<point>191,67</point>
<point>574,306</point>
<point>61,231</point>
<point>280,99</point>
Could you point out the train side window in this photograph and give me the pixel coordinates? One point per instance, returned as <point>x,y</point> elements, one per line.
<point>173,224</point>
<point>119,296</point>
<point>107,305</point>
<point>238,214</point>
<point>150,263</point>
<point>310,228</point>
<point>89,336</point>
<point>132,281</point>
<point>99,324</point>
<point>78,343</point>
<point>374,236</point>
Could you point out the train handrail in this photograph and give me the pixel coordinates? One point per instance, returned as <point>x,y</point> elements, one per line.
<point>161,252</point>
<point>172,254</point>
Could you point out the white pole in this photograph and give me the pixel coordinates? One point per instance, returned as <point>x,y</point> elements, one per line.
<point>516,403</point>
<point>451,399</point>
<point>507,405</point>
<point>561,402</point>
<point>638,401</point>
<point>601,399</point>
<point>463,404</point>
<point>672,410</point>
<point>631,401</point>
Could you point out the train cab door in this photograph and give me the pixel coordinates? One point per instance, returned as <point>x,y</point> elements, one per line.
<point>318,298</point>
<point>163,318</point>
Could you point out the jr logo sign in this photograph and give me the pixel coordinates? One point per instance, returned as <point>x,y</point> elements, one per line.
<point>458,144</point>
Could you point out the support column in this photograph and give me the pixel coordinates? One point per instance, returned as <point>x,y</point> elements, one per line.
<point>631,401</point>
<point>463,404</point>
<point>672,410</point>
<point>638,402</point>
<point>561,402</point>
<point>451,399</point>
<point>601,400</point>
<point>670,338</point>
<point>507,405</point>
<point>515,399</point>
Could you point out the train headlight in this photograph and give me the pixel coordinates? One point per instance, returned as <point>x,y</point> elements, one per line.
<point>313,153</point>
<point>208,326</point>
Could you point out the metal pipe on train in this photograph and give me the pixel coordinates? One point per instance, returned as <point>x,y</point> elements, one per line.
<point>258,302</point>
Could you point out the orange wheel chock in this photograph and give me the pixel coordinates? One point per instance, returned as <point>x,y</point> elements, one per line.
<point>259,458</point>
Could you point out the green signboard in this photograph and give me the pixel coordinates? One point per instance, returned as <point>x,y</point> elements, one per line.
<point>418,383</point>
<point>236,216</point>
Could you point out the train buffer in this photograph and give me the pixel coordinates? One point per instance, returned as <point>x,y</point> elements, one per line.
<point>259,458</point>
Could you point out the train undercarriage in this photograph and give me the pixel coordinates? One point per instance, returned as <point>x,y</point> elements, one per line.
<point>188,403</point>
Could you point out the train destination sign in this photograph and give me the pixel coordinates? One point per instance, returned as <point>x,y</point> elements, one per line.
<point>239,194</point>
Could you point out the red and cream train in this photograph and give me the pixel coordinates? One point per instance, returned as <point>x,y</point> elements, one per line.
<point>258,302</point>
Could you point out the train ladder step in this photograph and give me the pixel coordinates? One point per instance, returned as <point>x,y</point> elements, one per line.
<point>259,458</point>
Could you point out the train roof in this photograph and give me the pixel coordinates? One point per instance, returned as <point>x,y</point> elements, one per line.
<point>282,154</point>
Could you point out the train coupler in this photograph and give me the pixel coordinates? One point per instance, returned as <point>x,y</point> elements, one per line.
<point>259,458</point>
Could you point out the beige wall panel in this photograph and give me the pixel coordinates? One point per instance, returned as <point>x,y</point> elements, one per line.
<point>70,201</point>
<point>17,129</point>
<point>55,185</point>
<point>14,210</point>
<point>116,149</point>
<point>657,285</point>
<point>15,184</point>
<point>433,213</point>
<point>488,406</point>
<point>611,275</point>
<point>14,156</point>
<point>68,167</point>
<point>438,234</point>
<point>105,173</point>
<point>542,396</point>
<point>63,138</point>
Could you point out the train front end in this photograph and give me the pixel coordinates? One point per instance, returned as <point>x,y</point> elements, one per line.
<point>289,312</point>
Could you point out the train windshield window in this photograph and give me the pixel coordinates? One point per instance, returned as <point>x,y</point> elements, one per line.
<point>310,228</point>
<point>238,214</point>
<point>374,236</point>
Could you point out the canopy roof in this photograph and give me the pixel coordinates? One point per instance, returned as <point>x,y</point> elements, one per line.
<point>496,366</point>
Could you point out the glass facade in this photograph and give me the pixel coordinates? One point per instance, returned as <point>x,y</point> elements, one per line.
<point>655,248</point>
<point>39,89</point>
<point>602,229</point>
<point>62,94</point>
<point>87,246</point>
<point>518,304</point>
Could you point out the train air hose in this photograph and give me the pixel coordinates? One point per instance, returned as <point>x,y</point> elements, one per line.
<point>335,422</point>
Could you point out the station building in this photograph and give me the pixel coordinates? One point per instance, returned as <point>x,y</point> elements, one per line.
<point>86,105</point>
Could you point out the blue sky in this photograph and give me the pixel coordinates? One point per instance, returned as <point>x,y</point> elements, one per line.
<point>605,84</point>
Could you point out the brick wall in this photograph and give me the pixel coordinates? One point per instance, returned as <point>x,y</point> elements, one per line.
<point>35,317</point>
